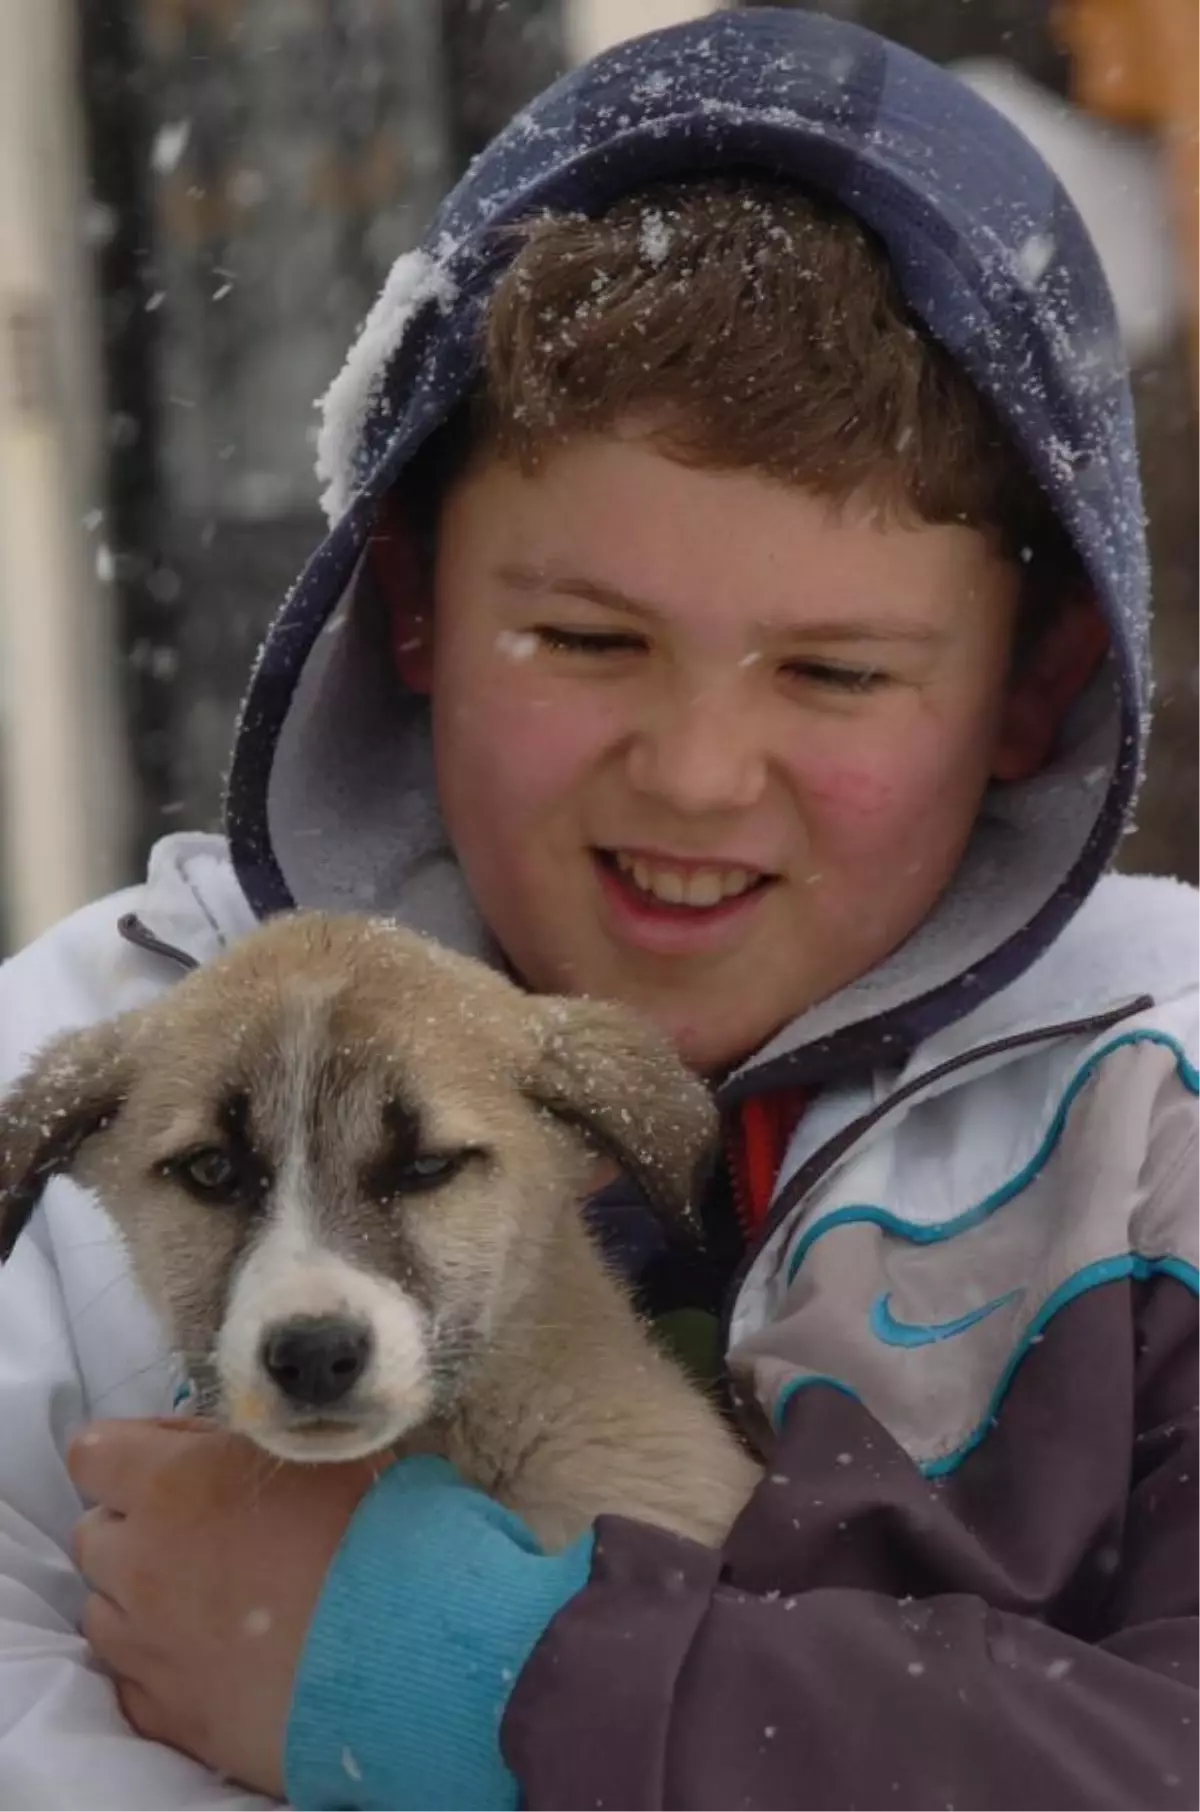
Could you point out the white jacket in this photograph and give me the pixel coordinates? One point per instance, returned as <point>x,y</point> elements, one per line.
<point>76,1341</point>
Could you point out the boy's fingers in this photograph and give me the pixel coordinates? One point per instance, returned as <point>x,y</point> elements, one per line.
<point>105,1628</point>
<point>95,1551</point>
<point>109,1461</point>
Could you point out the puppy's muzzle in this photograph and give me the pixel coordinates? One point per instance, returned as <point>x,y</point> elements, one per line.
<point>315,1361</point>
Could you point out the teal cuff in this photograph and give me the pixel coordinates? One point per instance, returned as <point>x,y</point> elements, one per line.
<point>431,1607</point>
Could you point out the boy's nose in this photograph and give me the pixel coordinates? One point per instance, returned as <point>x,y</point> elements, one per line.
<point>701,754</point>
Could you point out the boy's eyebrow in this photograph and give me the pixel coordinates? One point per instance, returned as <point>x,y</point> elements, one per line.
<point>592,591</point>
<point>539,579</point>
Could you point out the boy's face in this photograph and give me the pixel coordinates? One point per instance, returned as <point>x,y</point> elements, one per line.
<point>705,744</point>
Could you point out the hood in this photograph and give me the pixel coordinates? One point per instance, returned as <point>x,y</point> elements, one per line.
<point>331,800</point>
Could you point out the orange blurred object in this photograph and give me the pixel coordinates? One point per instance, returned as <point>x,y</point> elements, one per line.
<point>1137,61</point>
<point>1132,60</point>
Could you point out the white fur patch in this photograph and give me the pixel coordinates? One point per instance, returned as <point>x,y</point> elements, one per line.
<point>289,1274</point>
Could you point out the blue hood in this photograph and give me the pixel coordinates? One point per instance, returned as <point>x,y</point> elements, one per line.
<point>331,799</point>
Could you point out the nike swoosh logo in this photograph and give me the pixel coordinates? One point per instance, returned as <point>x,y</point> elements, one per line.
<point>885,1326</point>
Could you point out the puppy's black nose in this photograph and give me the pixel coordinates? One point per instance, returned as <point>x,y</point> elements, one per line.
<point>316,1359</point>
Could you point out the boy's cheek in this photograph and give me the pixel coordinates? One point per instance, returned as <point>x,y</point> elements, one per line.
<point>852,794</point>
<point>529,738</point>
<point>904,802</point>
<point>893,761</point>
<point>865,789</point>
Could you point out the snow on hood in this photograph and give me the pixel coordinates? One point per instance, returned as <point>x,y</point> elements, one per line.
<point>417,277</point>
<point>331,799</point>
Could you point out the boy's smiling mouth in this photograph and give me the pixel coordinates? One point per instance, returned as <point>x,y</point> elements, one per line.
<point>674,906</point>
<point>692,884</point>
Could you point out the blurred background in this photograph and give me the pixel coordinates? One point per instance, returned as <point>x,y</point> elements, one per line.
<point>198,202</point>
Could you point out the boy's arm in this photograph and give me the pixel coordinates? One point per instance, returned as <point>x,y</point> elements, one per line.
<point>777,1672</point>
<point>726,1690</point>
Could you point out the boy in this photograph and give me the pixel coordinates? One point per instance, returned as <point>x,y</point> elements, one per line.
<point>736,523</point>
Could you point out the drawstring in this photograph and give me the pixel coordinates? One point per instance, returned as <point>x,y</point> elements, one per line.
<point>130,927</point>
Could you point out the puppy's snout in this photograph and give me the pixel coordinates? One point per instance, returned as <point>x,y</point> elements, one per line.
<point>316,1360</point>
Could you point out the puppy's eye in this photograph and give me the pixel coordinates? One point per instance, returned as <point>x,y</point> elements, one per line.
<point>430,1169</point>
<point>404,1174</point>
<point>210,1172</point>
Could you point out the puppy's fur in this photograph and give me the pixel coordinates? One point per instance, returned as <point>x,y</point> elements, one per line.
<point>339,1119</point>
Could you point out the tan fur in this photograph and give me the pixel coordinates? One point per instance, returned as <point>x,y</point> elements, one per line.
<point>503,1340</point>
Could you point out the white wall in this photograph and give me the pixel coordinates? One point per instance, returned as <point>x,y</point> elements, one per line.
<point>62,784</point>
<point>592,25</point>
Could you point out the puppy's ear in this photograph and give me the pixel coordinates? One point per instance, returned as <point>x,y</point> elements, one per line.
<point>72,1089</point>
<point>620,1082</point>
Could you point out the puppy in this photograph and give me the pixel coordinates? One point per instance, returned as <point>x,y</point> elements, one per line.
<point>347,1166</point>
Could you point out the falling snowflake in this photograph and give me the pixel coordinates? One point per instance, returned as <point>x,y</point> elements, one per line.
<point>170,143</point>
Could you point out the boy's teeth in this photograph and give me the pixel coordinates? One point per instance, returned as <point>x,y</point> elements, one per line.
<point>702,887</point>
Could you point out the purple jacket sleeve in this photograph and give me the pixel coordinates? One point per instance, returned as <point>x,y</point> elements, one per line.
<point>1021,1634</point>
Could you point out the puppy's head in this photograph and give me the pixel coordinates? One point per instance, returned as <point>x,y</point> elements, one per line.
<point>335,1155</point>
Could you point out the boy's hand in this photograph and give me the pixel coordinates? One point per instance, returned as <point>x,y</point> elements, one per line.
<point>205,1558</point>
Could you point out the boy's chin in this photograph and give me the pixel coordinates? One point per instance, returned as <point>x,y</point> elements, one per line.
<point>717,1013</point>
<point>714,1037</point>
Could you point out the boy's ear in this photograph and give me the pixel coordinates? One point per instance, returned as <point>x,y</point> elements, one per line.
<point>400,574</point>
<point>1045,685</point>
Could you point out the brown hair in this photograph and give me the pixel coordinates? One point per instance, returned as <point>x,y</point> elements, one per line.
<point>752,326</point>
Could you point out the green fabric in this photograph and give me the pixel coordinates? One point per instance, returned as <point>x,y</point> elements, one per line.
<point>692,1336</point>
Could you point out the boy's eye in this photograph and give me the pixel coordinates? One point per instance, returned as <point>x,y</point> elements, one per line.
<point>587,641</point>
<point>840,679</point>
